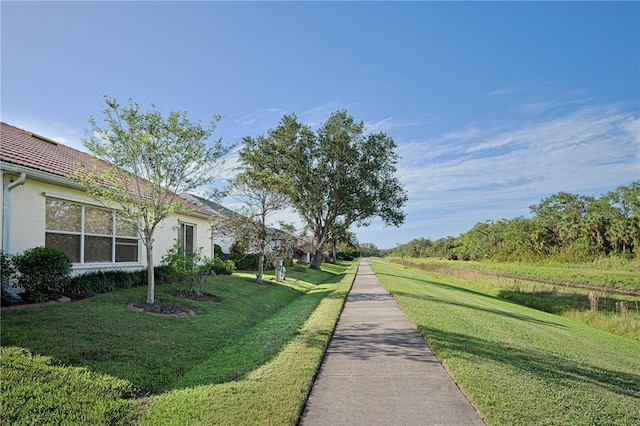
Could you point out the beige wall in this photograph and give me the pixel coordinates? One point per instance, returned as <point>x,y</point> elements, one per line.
<point>27,224</point>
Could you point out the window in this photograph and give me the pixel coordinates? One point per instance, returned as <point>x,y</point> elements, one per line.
<point>89,234</point>
<point>187,241</point>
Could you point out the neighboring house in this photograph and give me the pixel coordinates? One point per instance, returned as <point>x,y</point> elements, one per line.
<point>302,245</point>
<point>218,210</point>
<point>42,207</point>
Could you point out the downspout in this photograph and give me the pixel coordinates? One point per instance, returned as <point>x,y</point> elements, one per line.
<point>6,215</point>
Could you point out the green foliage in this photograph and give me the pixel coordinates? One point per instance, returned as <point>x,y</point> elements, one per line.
<point>6,266</point>
<point>348,253</point>
<point>239,247</point>
<point>217,251</point>
<point>337,173</point>
<point>144,160</point>
<point>255,189</point>
<point>33,390</point>
<point>219,266</point>
<point>106,281</point>
<point>189,268</point>
<point>565,227</point>
<point>43,271</point>
<point>369,250</point>
<point>245,262</point>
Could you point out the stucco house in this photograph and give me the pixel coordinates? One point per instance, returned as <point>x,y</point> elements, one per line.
<point>41,206</point>
<point>300,250</point>
<point>217,210</point>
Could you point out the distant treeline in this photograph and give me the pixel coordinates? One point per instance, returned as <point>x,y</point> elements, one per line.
<point>564,227</point>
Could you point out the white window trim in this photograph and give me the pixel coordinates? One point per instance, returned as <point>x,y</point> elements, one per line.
<point>88,202</point>
<point>92,265</point>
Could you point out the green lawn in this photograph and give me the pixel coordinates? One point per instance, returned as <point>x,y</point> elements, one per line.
<point>226,364</point>
<point>616,313</point>
<point>607,274</point>
<point>520,366</point>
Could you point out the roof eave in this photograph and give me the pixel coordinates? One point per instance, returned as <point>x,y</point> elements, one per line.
<point>39,175</point>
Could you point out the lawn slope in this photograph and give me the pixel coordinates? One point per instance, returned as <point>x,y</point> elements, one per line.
<point>520,366</point>
<point>249,358</point>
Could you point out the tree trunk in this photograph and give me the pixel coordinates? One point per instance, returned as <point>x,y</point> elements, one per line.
<point>150,272</point>
<point>259,280</point>
<point>316,260</point>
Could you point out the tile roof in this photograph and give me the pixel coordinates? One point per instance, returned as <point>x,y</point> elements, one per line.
<point>27,149</point>
<point>208,204</point>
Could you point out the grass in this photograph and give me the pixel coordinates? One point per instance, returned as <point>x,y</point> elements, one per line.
<point>520,366</point>
<point>75,395</point>
<point>251,356</point>
<point>606,274</point>
<point>615,313</point>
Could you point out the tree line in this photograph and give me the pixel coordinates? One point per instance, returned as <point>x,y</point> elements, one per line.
<point>335,176</point>
<point>564,226</point>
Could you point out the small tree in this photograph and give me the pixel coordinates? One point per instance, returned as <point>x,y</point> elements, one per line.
<point>253,188</point>
<point>190,267</point>
<point>143,161</point>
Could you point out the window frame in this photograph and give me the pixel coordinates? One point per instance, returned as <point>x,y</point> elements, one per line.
<point>182,237</point>
<point>115,239</point>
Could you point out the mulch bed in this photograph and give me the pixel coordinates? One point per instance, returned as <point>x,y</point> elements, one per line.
<point>162,308</point>
<point>202,297</point>
<point>173,309</point>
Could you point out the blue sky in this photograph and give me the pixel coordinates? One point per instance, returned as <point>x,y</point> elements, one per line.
<point>494,105</point>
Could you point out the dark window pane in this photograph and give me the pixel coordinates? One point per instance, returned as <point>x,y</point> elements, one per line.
<point>97,249</point>
<point>187,239</point>
<point>70,244</point>
<point>126,250</point>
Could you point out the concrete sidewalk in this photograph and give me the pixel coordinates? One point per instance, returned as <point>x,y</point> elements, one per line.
<point>378,370</point>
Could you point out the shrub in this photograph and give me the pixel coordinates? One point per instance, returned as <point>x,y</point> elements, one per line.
<point>6,266</point>
<point>43,271</point>
<point>217,251</point>
<point>189,268</point>
<point>162,275</point>
<point>348,253</point>
<point>245,262</point>
<point>219,266</point>
<point>106,281</point>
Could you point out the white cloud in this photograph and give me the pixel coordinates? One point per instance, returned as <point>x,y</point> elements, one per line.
<point>586,150</point>
<point>389,123</point>
<point>519,88</point>
<point>263,114</point>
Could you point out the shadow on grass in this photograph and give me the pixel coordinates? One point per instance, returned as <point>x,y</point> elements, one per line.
<point>558,302</point>
<point>502,313</point>
<point>258,346</point>
<point>539,364</point>
<point>454,288</point>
